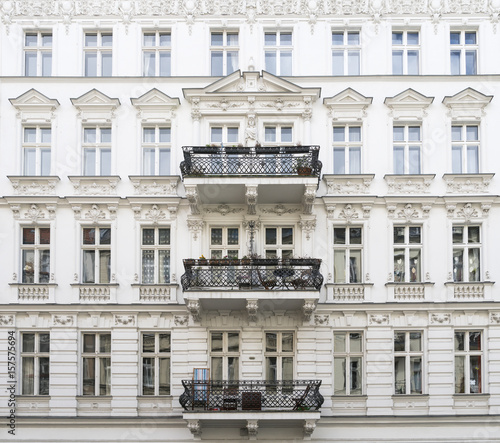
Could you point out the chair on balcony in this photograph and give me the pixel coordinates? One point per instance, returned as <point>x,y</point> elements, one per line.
<point>230,398</point>
<point>300,402</point>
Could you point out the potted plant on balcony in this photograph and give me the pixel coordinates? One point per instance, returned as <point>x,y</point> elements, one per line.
<point>240,149</point>
<point>188,262</point>
<point>246,261</point>
<point>259,149</point>
<point>303,167</point>
<point>202,261</point>
<point>207,149</point>
<point>297,149</point>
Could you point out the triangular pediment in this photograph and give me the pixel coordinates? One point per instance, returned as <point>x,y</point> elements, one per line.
<point>467,97</point>
<point>348,97</point>
<point>411,98</point>
<point>155,98</point>
<point>95,98</point>
<point>34,99</point>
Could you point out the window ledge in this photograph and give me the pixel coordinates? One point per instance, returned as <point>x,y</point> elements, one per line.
<point>467,183</point>
<point>94,397</point>
<point>407,396</point>
<point>96,292</point>
<point>482,394</point>
<point>424,283</point>
<point>94,184</point>
<point>153,397</point>
<point>156,293</point>
<point>34,184</point>
<point>155,184</point>
<point>409,183</point>
<point>348,183</point>
<point>470,291</point>
<point>37,285</point>
<point>95,284</point>
<point>33,397</point>
<point>347,397</point>
<point>347,292</point>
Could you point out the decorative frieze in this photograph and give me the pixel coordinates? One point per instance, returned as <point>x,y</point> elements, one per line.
<point>155,185</point>
<point>125,320</point>
<point>408,212</point>
<point>181,320</point>
<point>223,210</point>
<point>409,184</point>
<point>347,293</point>
<point>308,308</point>
<point>155,293</point>
<point>94,185</point>
<point>252,309</point>
<point>440,318</point>
<point>348,184</point>
<point>194,308</point>
<point>33,293</point>
<point>378,319</point>
<point>95,293</point>
<point>63,320</point>
<point>280,210</point>
<point>467,183</point>
<point>34,185</point>
<point>6,320</point>
<point>409,292</point>
<point>468,291</point>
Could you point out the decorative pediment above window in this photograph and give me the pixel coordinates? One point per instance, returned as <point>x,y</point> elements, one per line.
<point>94,209</point>
<point>251,92</point>
<point>33,106</point>
<point>408,105</point>
<point>467,105</point>
<point>400,210</point>
<point>475,209</point>
<point>26,211</point>
<point>155,106</point>
<point>347,105</point>
<point>95,106</point>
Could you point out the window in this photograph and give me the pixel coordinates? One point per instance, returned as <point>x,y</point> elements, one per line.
<point>347,258</point>
<point>408,362</point>
<point>279,242</point>
<point>465,149</point>
<point>278,134</point>
<point>223,52</point>
<point>98,54</point>
<point>225,355</point>
<point>35,363</point>
<point>96,356</point>
<point>36,150</point>
<point>347,149</point>
<point>156,150</point>
<point>155,352</point>
<point>96,151</point>
<point>405,52</point>
<point>35,251</point>
<point>156,59</point>
<point>347,363</point>
<point>346,49</point>
<point>468,358</point>
<point>155,255</point>
<point>407,147</point>
<point>279,355</point>
<point>224,134</point>
<point>466,250</point>
<point>38,54</point>
<point>463,52</point>
<point>96,250</point>
<point>407,254</point>
<point>224,242</point>
<point>278,52</point>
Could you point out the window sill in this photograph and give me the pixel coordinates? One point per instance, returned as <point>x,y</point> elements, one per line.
<point>152,397</point>
<point>409,183</point>
<point>94,397</point>
<point>396,396</point>
<point>96,284</point>
<point>467,183</point>
<point>348,292</point>
<point>483,394</point>
<point>32,397</point>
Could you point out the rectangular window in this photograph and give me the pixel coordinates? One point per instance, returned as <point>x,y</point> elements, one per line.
<point>155,250</point>
<point>225,355</point>
<point>468,362</point>
<point>156,150</point>
<point>279,242</point>
<point>156,58</point>
<point>35,252</point>
<point>224,48</point>
<point>279,354</point>
<point>405,52</point>
<point>96,255</point>
<point>407,145</point>
<point>97,52</point>
<point>347,149</point>
<point>408,362</point>
<point>224,134</point>
<point>36,150</point>
<point>37,53</point>
<point>463,52</point>
<point>35,363</point>
<point>407,254</point>
<point>278,135</point>
<point>466,251</point>
<point>465,149</point>
<point>348,363</point>
<point>224,242</point>
<point>96,150</point>
<point>347,254</point>
<point>346,50</point>
<point>155,354</point>
<point>96,364</point>
<point>278,52</point>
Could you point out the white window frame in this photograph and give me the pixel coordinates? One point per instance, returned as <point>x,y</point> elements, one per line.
<point>465,145</point>
<point>463,48</point>
<point>348,147</point>
<point>38,146</point>
<point>156,248</point>
<point>100,148</point>
<point>348,355</point>
<point>157,147</point>
<point>347,49</point>
<point>348,247</point>
<point>225,355</point>
<point>278,136</point>
<point>224,249</point>
<point>40,50</point>
<point>100,50</point>
<point>408,147</point>
<point>159,51</point>
<point>225,48</point>
<point>408,355</point>
<point>157,355</point>
<point>405,48</point>
<point>98,355</point>
<point>35,387</point>
<point>279,50</point>
<point>466,247</point>
<point>37,247</point>
<point>279,247</point>
<point>97,247</point>
<point>403,270</point>
<point>466,354</point>
<point>279,354</point>
<point>225,135</point>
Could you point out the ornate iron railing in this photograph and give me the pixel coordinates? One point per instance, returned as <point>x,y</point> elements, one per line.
<point>266,160</point>
<point>225,395</point>
<point>253,274</point>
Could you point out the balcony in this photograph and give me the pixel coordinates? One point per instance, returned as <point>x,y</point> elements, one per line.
<point>244,175</point>
<point>258,404</point>
<point>228,283</point>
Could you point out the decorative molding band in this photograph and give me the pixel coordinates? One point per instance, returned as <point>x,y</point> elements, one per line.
<point>409,184</point>
<point>34,185</point>
<point>468,291</point>
<point>404,292</point>
<point>348,293</point>
<point>348,184</point>
<point>154,293</point>
<point>33,293</point>
<point>95,293</point>
<point>467,183</point>
<point>63,320</point>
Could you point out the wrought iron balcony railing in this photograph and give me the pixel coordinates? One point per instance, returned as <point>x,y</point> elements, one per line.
<point>247,395</point>
<point>202,161</point>
<point>253,274</point>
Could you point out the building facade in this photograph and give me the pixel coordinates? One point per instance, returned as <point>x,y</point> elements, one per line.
<point>253,220</point>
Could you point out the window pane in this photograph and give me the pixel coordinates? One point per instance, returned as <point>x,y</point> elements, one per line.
<point>285,38</point>
<point>287,368</point>
<point>472,160</point>
<point>148,266</point>
<point>148,161</point>
<point>339,236</point>
<point>28,343</point>
<point>339,258</point>
<point>88,267</point>
<point>45,135</point>
<point>165,39</point>
<point>29,161</point>
<point>414,159</point>
<point>30,64</point>
<point>216,38</point>
<point>355,266</point>
<point>232,39</point>
<point>270,39</point>
<point>399,375</point>
<point>353,38</point>
<point>148,343</point>
<point>164,376</point>
<point>338,62</point>
<point>107,39</point>
<point>414,133</point>
<point>286,63</point>
<point>416,375</point>
<point>337,38</point>
<point>28,376</point>
<point>216,368</point>
<point>459,341</point>
<point>148,376</point>
<point>415,234</point>
<point>104,266</point>
<point>105,343</point>
<point>165,64</point>
<point>286,134</point>
<point>216,342</point>
<point>287,341</point>
<point>30,40</point>
<point>339,161</point>
<point>148,236</point>
<point>339,344</point>
<point>271,369</point>
<point>398,133</point>
<point>339,374</point>
<point>355,236</point>
<point>164,343</point>
<point>470,38</point>
<point>30,135</point>
<point>216,60</point>
<point>271,236</point>
<point>46,64</point>
<point>232,135</point>
<point>458,262</point>
<point>232,61</point>
<point>90,39</point>
<point>270,59</point>
<point>412,38</point>
<point>474,268</point>
<point>399,235</point>
<point>105,376</point>
<point>355,373</point>
<point>397,38</point>
<point>355,161</point>
<point>413,63</point>
<point>339,134</point>
<point>475,374</point>
<point>164,266</point>
<point>475,341</point>
<point>43,376</point>
<point>399,165</point>
<point>149,64</point>
<point>106,67</point>
<point>271,342</point>
<point>88,343</point>
<point>44,268</point>
<point>164,236</point>
<point>454,38</point>
<point>90,64</point>
<point>105,162</point>
<point>473,234</point>
<point>105,236</point>
<point>47,40</point>
<point>460,374</point>
<point>455,62</point>
<point>399,342</point>
<point>472,133</point>
<point>415,341</point>
<point>44,236</point>
<point>355,134</point>
<point>232,236</point>
<point>88,377</point>
<point>397,62</point>
<point>355,344</point>
<point>216,135</point>
<point>456,133</point>
<point>287,236</point>
<point>456,159</point>
<point>216,236</point>
<point>233,342</point>
<point>149,39</point>
<point>28,266</point>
